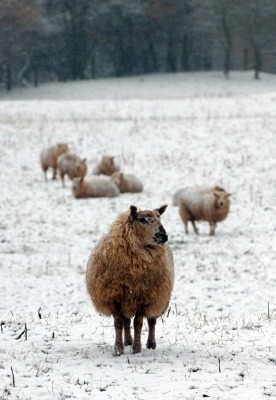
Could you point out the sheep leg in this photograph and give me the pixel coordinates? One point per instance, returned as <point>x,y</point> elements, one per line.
<point>62,178</point>
<point>194,226</point>
<point>54,173</point>
<point>186,228</point>
<point>119,325</point>
<point>138,323</point>
<point>127,334</point>
<point>212,228</point>
<point>151,342</point>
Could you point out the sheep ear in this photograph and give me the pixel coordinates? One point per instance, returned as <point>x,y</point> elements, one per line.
<point>229,194</point>
<point>162,209</point>
<point>84,160</point>
<point>133,211</point>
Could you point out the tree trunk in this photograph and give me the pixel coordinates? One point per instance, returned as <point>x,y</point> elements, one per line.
<point>258,62</point>
<point>227,61</point>
<point>8,76</point>
<point>35,76</point>
<point>245,59</point>
<point>228,44</point>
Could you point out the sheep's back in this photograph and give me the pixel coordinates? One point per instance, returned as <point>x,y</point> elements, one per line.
<point>130,183</point>
<point>193,200</point>
<point>102,188</point>
<point>96,187</point>
<point>177,197</point>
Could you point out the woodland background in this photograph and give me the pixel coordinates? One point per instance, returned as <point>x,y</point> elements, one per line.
<point>61,40</point>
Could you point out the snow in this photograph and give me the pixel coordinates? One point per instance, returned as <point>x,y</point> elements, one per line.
<point>218,338</point>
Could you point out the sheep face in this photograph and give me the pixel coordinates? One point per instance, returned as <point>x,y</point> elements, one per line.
<point>62,148</point>
<point>81,168</point>
<point>78,185</point>
<point>117,178</point>
<point>147,226</point>
<point>221,199</point>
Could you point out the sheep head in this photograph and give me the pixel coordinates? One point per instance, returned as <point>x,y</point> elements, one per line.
<point>221,198</point>
<point>147,226</point>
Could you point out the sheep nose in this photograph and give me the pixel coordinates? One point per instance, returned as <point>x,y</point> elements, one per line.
<point>161,236</point>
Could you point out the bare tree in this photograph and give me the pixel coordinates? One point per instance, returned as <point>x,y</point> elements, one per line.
<point>17,21</point>
<point>256,23</point>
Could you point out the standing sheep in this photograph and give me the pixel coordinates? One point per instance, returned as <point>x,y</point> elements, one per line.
<point>72,165</point>
<point>106,166</point>
<point>177,196</point>
<point>49,156</point>
<point>96,187</point>
<point>127,182</point>
<point>130,273</point>
<point>203,204</point>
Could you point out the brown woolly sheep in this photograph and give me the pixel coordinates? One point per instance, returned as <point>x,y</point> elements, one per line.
<point>49,156</point>
<point>96,187</point>
<point>106,166</point>
<point>130,273</point>
<point>203,204</point>
<point>72,165</point>
<point>127,182</point>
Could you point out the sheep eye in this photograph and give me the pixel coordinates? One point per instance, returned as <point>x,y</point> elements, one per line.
<point>143,220</point>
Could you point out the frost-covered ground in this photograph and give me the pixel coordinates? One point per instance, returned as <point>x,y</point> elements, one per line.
<point>218,339</point>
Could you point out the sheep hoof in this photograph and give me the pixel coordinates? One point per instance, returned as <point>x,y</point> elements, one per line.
<point>118,351</point>
<point>128,342</point>
<point>151,344</point>
<point>136,349</point>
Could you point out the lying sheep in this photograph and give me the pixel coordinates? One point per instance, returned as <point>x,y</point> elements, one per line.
<point>96,187</point>
<point>130,273</point>
<point>72,165</point>
<point>203,204</point>
<point>106,166</point>
<point>49,156</point>
<point>127,182</point>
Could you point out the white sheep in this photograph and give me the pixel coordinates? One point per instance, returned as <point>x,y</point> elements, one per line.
<point>96,187</point>
<point>130,273</point>
<point>106,166</point>
<point>127,182</point>
<point>49,156</point>
<point>177,196</point>
<point>72,165</point>
<point>198,203</point>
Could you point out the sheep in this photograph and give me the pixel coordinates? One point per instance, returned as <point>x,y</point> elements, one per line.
<point>130,273</point>
<point>210,204</point>
<point>72,165</point>
<point>49,156</point>
<point>96,187</point>
<point>177,196</point>
<point>106,166</point>
<point>127,182</point>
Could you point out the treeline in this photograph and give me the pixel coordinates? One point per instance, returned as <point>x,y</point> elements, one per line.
<point>43,40</point>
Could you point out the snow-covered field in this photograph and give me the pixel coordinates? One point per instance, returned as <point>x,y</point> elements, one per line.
<point>218,339</point>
